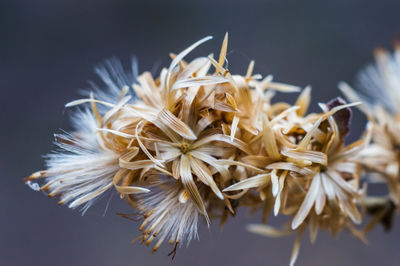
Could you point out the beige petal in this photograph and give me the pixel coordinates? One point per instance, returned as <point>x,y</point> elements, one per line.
<point>313,156</point>
<point>348,206</point>
<point>201,81</point>
<point>329,187</point>
<point>174,123</point>
<point>232,162</point>
<point>320,200</point>
<point>115,109</point>
<point>118,133</point>
<point>140,164</point>
<point>277,204</point>
<point>303,101</point>
<point>224,72</point>
<point>124,189</point>
<point>313,228</point>
<point>181,55</point>
<point>170,155</point>
<point>308,202</point>
<point>203,123</point>
<point>291,167</point>
<point>213,162</point>
<point>222,106</point>
<point>252,182</point>
<point>270,144</point>
<point>144,149</point>
<point>307,138</point>
<point>175,169</point>
<point>130,154</point>
<point>283,114</point>
<point>275,183</point>
<point>295,250</point>
<point>338,179</point>
<point>283,87</point>
<point>250,69</point>
<point>234,126</point>
<point>266,230</point>
<point>222,54</point>
<point>89,196</point>
<point>258,161</point>
<point>198,67</point>
<point>202,172</point>
<point>82,101</point>
<point>190,186</point>
<point>223,138</point>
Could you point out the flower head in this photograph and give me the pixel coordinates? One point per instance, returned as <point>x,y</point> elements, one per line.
<point>178,140</point>
<point>379,88</point>
<point>196,142</point>
<point>309,169</point>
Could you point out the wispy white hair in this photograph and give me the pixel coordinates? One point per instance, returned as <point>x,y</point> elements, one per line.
<point>114,78</point>
<point>380,81</point>
<point>82,169</point>
<point>167,217</point>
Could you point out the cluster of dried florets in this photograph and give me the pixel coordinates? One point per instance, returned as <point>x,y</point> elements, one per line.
<point>197,142</point>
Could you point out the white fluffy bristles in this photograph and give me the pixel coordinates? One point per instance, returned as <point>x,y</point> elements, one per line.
<point>82,169</point>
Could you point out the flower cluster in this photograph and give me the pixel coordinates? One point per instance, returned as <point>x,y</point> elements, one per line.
<point>197,142</point>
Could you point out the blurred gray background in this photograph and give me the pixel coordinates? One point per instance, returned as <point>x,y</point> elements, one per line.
<point>47,53</point>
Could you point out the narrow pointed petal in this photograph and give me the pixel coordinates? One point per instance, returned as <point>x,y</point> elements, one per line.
<point>222,54</point>
<point>266,230</point>
<point>174,123</point>
<point>303,101</point>
<point>181,55</point>
<point>201,171</point>
<point>295,250</point>
<point>190,186</point>
<point>308,202</point>
<point>252,182</point>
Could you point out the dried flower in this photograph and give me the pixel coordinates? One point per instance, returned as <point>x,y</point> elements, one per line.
<point>312,175</point>
<point>178,138</point>
<point>379,89</point>
<point>197,142</point>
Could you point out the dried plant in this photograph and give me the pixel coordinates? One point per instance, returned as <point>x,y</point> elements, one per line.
<point>197,142</point>
<point>379,90</point>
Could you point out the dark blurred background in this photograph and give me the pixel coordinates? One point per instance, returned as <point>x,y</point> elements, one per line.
<point>47,53</point>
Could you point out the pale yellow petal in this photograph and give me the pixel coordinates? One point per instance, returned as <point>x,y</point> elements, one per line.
<point>252,182</point>
<point>308,202</point>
